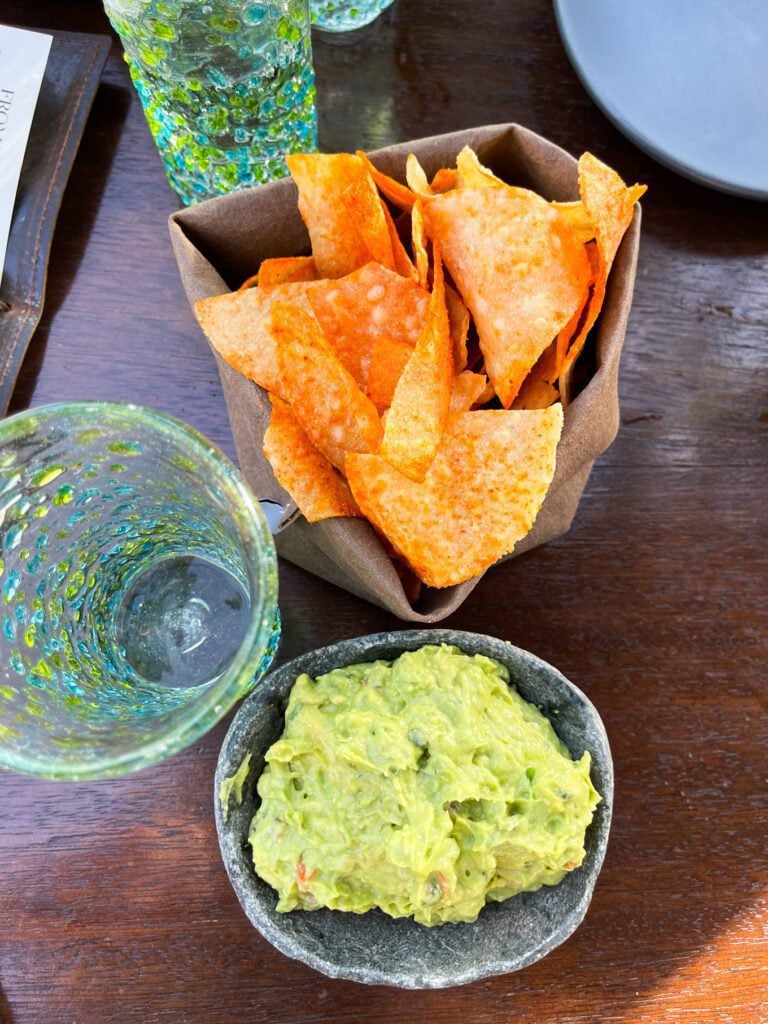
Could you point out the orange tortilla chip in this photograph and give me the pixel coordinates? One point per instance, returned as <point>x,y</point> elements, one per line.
<point>398,194</point>
<point>388,360</point>
<point>519,268</point>
<point>421,401</point>
<point>355,309</point>
<point>336,415</point>
<point>480,496</point>
<point>536,393</point>
<point>341,208</point>
<point>471,173</point>
<point>285,270</point>
<point>578,219</point>
<point>403,264</point>
<point>419,243</point>
<point>610,206</point>
<point>416,177</point>
<point>320,492</point>
<point>238,326</point>
<point>468,389</point>
<point>444,180</point>
<point>458,317</point>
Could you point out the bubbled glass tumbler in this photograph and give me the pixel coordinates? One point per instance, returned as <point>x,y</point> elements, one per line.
<point>138,589</point>
<point>227,87</point>
<point>345,15</point>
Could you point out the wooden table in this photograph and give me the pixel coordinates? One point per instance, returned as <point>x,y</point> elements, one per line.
<point>114,905</point>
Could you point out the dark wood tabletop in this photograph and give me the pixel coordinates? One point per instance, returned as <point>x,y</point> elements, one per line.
<point>114,904</point>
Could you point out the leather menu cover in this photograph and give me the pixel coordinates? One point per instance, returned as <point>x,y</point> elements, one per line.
<point>72,75</point>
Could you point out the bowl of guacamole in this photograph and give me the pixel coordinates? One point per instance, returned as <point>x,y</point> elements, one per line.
<point>419,809</point>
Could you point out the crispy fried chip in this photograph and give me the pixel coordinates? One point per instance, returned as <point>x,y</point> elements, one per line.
<point>458,317</point>
<point>610,206</point>
<point>286,269</point>
<point>421,401</point>
<point>578,219</point>
<point>419,243</point>
<point>444,180</point>
<point>355,309</point>
<point>468,389</point>
<point>389,358</point>
<point>319,491</point>
<point>416,176</point>
<point>519,268</point>
<point>341,208</point>
<point>471,173</point>
<point>402,261</point>
<point>481,494</point>
<point>238,326</point>
<point>398,194</point>
<point>536,393</point>
<point>324,397</point>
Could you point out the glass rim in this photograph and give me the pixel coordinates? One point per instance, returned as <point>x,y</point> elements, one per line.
<point>216,698</point>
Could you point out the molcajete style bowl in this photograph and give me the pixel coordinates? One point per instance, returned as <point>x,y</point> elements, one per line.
<point>372,947</point>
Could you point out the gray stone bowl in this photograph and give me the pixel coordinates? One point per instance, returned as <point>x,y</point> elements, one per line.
<point>376,949</point>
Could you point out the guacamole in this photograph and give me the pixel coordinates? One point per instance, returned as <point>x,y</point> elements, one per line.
<point>424,786</point>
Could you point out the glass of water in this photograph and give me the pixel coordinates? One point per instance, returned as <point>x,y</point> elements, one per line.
<point>138,589</point>
<point>344,15</point>
<point>227,86</point>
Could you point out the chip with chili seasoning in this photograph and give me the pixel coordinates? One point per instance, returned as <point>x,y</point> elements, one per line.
<point>519,268</point>
<point>609,205</point>
<point>342,210</point>
<point>420,404</point>
<point>468,389</point>
<point>323,395</point>
<point>238,326</point>
<point>389,357</point>
<point>481,494</point>
<point>286,269</point>
<point>320,492</point>
<point>354,310</point>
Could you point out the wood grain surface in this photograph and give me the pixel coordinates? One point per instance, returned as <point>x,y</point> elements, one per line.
<point>114,905</point>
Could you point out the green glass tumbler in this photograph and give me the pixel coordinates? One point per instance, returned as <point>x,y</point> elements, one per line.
<point>345,15</point>
<point>227,87</point>
<point>138,589</point>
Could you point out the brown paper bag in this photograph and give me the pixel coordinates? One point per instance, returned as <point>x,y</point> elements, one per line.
<point>221,242</point>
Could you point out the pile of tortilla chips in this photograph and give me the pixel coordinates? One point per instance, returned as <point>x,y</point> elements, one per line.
<point>417,362</point>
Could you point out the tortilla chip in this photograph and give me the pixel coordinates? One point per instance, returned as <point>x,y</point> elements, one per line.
<point>355,309</point>
<point>536,393</point>
<point>389,358</point>
<point>480,496</point>
<point>238,325</point>
<point>444,180</point>
<point>419,243</point>
<point>470,173</point>
<point>420,404</point>
<point>610,206</point>
<point>468,389</point>
<point>578,219</point>
<point>286,269</point>
<point>320,492</point>
<point>458,317</point>
<point>519,268</point>
<point>397,193</point>
<point>341,208</point>
<point>403,264</point>
<point>323,395</point>
<point>416,176</point>
<point>367,214</point>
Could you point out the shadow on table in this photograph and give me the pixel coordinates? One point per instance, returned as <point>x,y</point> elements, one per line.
<point>75,222</point>
<point>6,1017</point>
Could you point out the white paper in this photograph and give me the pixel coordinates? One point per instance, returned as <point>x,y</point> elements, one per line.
<point>23,56</point>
